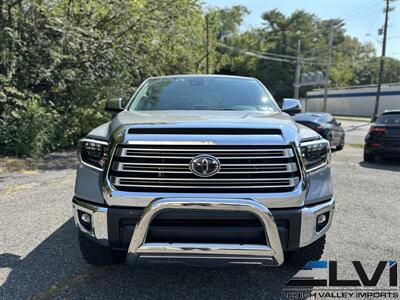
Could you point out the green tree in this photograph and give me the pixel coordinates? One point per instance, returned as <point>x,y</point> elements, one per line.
<point>72,55</point>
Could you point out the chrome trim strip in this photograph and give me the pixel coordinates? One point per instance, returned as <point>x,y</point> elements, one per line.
<point>157,164</point>
<point>193,248</point>
<point>118,179</point>
<point>257,165</point>
<point>189,172</point>
<point>138,247</point>
<point>89,165</point>
<point>146,142</point>
<point>210,150</point>
<point>94,141</point>
<point>206,186</point>
<point>244,168</point>
<point>309,216</point>
<point>99,219</point>
<point>191,157</point>
<point>293,198</point>
<point>284,151</point>
<point>184,171</point>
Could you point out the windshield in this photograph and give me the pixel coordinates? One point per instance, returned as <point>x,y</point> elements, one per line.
<point>389,119</point>
<point>203,93</point>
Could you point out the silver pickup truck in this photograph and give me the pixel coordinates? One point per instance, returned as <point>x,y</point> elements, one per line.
<point>203,169</point>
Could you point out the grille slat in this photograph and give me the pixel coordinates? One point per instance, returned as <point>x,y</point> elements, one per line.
<point>166,168</point>
<point>200,180</point>
<point>225,168</point>
<point>202,150</point>
<point>190,153</point>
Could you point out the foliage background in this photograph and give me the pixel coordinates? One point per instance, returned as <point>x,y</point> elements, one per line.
<point>61,59</point>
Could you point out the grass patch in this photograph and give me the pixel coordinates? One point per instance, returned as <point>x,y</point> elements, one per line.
<point>357,145</point>
<point>12,164</point>
<point>29,165</point>
<point>350,118</point>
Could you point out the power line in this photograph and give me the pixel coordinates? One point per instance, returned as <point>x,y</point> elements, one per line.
<point>355,9</point>
<point>359,11</point>
<point>374,22</point>
<point>254,54</point>
<point>275,54</point>
<point>282,55</point>
<point>266,55</point>
<point>359,17</point>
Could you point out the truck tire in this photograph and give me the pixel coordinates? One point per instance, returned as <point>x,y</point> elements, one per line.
<point>302,256</point>
<point>99,255</point>
<point>341,145</point>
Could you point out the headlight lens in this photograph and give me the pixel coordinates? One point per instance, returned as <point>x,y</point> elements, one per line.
<point>93,152</point>
<point>315,154</point>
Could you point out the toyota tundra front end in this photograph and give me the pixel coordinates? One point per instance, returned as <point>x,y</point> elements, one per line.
<point>203,169</point>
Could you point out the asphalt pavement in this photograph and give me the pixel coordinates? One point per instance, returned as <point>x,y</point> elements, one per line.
<point>355,131</point>
<point>40,258</point>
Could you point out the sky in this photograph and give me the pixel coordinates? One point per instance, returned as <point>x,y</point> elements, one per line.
<point>362,17</point>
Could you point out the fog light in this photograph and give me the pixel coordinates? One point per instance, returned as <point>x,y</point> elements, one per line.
<point>85,217</point>
<point>85,220</point>
<point>321,219</point>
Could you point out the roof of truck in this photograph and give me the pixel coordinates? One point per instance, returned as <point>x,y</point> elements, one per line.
<point>202,75</point>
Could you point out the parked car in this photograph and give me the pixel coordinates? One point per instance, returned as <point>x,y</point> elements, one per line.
<point>383,138</point>
<point>326,125</point>
<point>203,168</point>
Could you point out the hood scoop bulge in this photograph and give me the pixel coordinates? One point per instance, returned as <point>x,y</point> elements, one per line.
<point>213,131</point>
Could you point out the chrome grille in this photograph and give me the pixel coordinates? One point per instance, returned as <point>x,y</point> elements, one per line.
<point>166,168</point>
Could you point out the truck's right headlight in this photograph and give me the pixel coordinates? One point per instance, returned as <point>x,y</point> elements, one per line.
<point>315,154</point>
<point>93,152</point>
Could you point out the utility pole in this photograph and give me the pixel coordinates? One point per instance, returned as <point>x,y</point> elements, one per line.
<point>298,70</point>
<point>382,63</point>
<point>207,45</point>
<point>328,66</point>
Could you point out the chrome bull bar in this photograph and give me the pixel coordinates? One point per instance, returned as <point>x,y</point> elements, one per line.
<point>269,254</point>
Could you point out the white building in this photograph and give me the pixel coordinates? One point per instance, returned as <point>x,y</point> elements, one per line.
<point>354,101</point>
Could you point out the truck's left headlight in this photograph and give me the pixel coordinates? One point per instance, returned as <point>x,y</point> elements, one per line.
<point>93,152</point>
<point>315,154</point>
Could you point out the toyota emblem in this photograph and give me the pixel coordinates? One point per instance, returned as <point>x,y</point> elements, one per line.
<point>204,165</point>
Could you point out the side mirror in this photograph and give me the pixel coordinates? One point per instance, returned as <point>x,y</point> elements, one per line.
<point>291,106</point>
<point>115,105</point>
<point>339,123</point>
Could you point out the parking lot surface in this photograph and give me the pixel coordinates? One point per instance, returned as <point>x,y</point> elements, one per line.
<point>40,258</point>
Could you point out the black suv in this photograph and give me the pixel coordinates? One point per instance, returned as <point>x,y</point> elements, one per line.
<point>325,124</point>
<point>383,138</point>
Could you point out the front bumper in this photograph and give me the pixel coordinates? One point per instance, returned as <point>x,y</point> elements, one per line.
<point>303,232</point>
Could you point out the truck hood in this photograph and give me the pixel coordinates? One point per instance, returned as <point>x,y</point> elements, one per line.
<point>291,131</point>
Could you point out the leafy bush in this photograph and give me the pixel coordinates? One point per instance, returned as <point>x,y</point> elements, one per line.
<point>26,127</point>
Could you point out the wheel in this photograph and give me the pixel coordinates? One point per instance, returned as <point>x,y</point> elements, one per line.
<point>330,140</point>
<point>99,255</point>
<point>341,145</point>
<point>302,256</point>
<point>369,157</point>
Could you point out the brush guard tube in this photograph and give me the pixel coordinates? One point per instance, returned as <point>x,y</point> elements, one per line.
<point>269,254</point>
